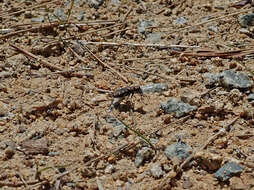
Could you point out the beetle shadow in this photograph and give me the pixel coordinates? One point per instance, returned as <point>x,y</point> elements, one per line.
<point>129,107</point>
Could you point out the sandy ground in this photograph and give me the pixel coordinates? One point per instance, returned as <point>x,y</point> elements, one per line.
<point>56,130</point>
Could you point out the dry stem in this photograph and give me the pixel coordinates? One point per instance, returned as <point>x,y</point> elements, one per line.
<point>105,64</point>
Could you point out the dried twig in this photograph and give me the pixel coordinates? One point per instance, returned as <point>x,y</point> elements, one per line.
<point>137,44</point>
<point>221,54</point>
<point>115,32</point>
<point>77,55</point>
<point>29,8</point>
<point>10,184</point>
<point>43,26</point>
<point>43,62</point>
<point>104,64</point>
<point>146,59</point>
<point>150,73</point>
<point>65,72</point>
<point>126,15</point>
<point>101,29</point>
<point>22,179</point>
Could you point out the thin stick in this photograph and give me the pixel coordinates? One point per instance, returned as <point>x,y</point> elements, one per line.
<point>43,62</point>
<point>62,72</point>
<point>144,59</point>
<point>150,73</point>
<point>208,21</point>
<point>137,44</point>
<point>126,15</point>
<point>104,64</point>
<point>77,55</point>
<point>115,32</point>
<point>44,26</point>
<point>83,23</point>
<point>22,179</point>
<point>9,184</point>
<point>101,29</point>
<point>30,8</point>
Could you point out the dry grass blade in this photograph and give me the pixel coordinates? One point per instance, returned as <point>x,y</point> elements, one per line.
<point>136,132</point>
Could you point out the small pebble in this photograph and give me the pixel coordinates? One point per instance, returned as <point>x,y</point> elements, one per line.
<point>152,88</point>
<point>95,3</point>
<point>181,150</point>
<point>227,171</point>
<point>119,127</point>
<point>109,169</point>
<point>178,107</point>
<point>143,25</point>
<point>187,182</point>
<point>9,153</point>
<point>246,20</point>
<point>233,79</point>
<point>180,21</point>
<point>156,171</point>
<point>251,97</point>
<point>143,155</point>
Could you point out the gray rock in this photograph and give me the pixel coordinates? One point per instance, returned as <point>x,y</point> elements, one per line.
<point>153,38</point>
<point>180,21</point>
<point>52,154</point>
<point>109,169</point>
<point>152,88</point>
<point>228,79</point>
<point>244,31</point>
<point>227,171</point>
<point>233,79</point>
<point>81,16</point>
<point>142,155</point>
<point>178,107</point>
<point>115,3</point>
<point>156,171</point>
<point>213,28</point>
<point>3,109</point>
<point>246,20</point>
<point>119,127</point>
<point>181,150</point>
<point>59,13</point>
<point>6,30</point>
<point>206,18</point>
<point>251,97</point>
<point>38,19</point>
<point>187,183</point>
<point>210,79</point>
<point>143,25</point>
<point>95,3</point>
